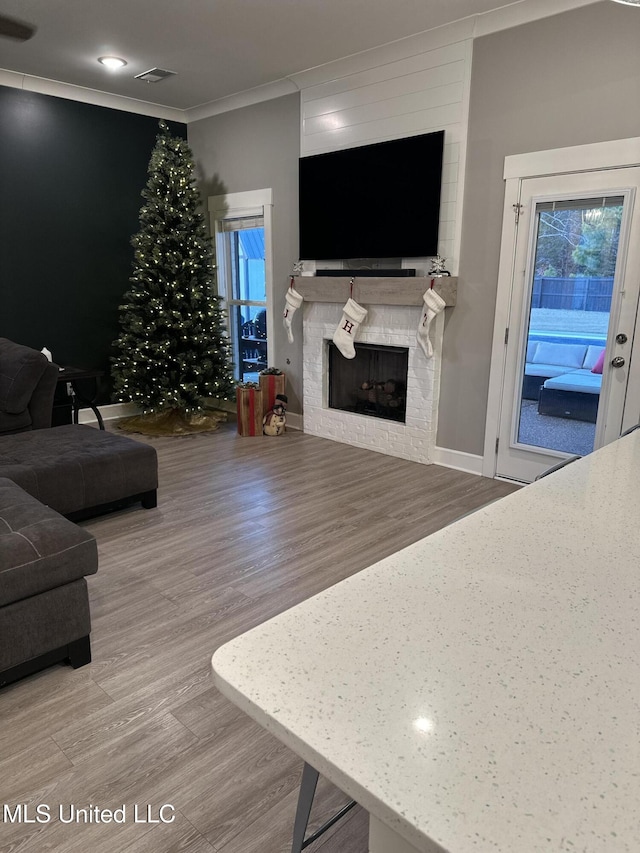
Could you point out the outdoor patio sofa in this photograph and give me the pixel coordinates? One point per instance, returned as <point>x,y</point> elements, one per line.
<point>565,378</point>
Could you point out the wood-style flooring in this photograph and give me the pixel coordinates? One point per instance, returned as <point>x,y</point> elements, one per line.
<point>245,528</point>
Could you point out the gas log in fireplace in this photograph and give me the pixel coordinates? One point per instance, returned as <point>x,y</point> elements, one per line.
<point>373,383</point>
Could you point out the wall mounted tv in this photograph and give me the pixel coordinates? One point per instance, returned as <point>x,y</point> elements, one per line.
<point>373,201</point>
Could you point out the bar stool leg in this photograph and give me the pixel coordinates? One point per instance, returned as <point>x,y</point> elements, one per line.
<point>305,801</point>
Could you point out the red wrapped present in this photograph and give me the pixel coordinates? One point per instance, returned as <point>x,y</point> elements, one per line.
<point>270,385</point>
<point>249,408</point>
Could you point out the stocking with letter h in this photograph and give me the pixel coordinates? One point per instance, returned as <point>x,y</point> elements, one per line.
<point>344,336</point>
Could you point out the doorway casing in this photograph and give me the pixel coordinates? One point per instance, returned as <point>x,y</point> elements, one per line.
<point>595,157</point>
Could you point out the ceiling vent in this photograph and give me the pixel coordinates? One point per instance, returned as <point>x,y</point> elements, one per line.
<point>155,75</point>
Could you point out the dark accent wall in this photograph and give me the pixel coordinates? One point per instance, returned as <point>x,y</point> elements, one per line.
<point>70,181</point>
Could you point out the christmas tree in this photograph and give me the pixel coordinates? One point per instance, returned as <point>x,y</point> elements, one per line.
<point>172,353</point>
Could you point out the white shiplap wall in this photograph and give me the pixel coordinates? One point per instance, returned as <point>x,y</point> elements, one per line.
<point>417,85</point>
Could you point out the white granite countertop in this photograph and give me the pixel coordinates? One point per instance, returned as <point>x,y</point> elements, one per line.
<point>479,690</point>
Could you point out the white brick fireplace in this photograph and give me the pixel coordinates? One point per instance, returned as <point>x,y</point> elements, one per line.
<point>385,325</point>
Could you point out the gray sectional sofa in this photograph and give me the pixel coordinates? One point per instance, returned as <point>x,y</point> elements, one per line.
<point>80,471</point>
<point>45,475</point>
<point>44,605</point>
<point>50,477</point>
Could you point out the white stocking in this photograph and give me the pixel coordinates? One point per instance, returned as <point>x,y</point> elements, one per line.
<point>352,315</point>
<point>292,301</point>
<point>433,305</point>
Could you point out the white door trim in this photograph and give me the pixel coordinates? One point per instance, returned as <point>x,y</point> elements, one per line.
<point>501,322</point>
<point>619,153</point>
<point>599,156</point>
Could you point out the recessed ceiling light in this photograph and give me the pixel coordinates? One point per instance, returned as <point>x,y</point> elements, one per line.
<point>629,2</point>
<point>112,62</point>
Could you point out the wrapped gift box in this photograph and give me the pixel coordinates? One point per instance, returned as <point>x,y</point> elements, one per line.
<point>249,407</point>
<point>270,385</point>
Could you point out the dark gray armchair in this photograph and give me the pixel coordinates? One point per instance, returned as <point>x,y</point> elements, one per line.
<point>27,385</point>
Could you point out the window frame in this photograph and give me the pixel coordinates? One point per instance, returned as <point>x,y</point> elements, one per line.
<point>258,203</point>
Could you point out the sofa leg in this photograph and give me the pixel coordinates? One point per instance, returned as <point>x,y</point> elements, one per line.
<point>79,652</point>
<point>149,500</point>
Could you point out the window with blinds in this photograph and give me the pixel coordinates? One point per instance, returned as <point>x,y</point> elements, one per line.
<point>242,283</point>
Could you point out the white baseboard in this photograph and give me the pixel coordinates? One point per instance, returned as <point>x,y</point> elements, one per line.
<point>109,412</point>
<point>294,421</point>
<point>457,459</point>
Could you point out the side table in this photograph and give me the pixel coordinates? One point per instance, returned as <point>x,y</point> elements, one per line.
<point>72,376</point>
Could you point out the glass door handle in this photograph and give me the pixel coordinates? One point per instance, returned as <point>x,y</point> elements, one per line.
<point>618,361</point>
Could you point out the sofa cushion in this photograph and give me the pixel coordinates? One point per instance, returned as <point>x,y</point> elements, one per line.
<point>580,380</point>
<point>544,370</point>
<point>73,467</point>
<point>591,358</point>
<point>563,355</point>
<point>20,372</point>
<point>39,549</point>
<point>532,346</point>
<point>15,423</point>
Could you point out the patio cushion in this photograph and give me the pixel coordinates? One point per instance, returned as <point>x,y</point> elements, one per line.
<point>579,380</point>
<point>532,346</point>
<point>562,355</point>
<point>545,370</point>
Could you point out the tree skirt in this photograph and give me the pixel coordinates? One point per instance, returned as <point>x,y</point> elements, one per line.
<point>173,422</point>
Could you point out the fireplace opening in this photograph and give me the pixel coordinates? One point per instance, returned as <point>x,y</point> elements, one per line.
<point>373,383</point>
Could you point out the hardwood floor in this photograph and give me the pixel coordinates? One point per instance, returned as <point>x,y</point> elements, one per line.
<point>245,528</point>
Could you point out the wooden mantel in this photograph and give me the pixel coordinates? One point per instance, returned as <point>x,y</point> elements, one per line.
<point>375,291</point>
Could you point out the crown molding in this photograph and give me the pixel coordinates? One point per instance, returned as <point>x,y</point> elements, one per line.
<point>386,53</point>
<point>43,86</point>
<point>268,92</point>
<point>524,12</point>
<point>512,14</point>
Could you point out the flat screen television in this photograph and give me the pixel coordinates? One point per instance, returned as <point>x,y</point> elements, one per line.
<point>373,201</point>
